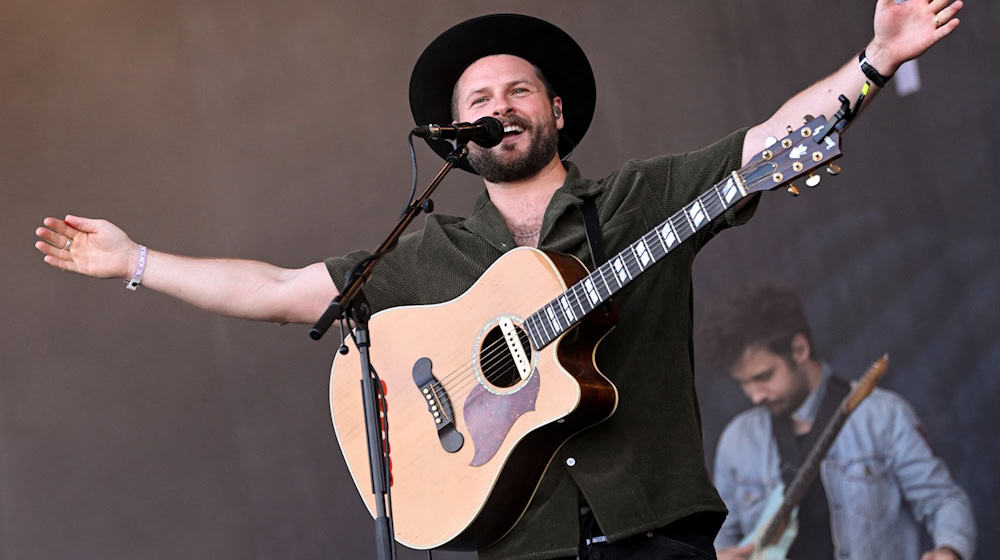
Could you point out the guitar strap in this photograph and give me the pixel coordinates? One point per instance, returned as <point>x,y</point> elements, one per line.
<point>590,531</point>
<point>591,221</point>
<point>814,539</point>
<point>793,451</point>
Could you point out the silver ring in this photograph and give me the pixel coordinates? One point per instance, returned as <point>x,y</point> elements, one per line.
<point>937,22</point>
<point>68,243</point>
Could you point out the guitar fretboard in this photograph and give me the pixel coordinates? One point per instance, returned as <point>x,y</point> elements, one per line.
<point>557,316</point>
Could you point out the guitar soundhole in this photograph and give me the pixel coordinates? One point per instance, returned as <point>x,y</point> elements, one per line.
<point>499,362</point>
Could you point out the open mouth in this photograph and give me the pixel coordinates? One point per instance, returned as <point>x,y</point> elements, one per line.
<point>511,130</point>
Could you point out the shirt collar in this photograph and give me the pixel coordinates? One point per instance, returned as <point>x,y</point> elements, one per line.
<point>810,407</point>
<point>486,220</point>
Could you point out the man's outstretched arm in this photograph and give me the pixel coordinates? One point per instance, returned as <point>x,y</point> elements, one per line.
<point>902,31</point>
<point>239,288</point>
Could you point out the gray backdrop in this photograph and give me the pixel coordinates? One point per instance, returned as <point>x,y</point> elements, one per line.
<point>136,427</point>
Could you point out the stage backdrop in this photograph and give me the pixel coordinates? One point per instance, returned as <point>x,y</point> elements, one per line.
<point>136,427</point>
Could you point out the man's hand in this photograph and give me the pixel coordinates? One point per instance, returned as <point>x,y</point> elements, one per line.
<point>736,553</point>
<point>903,32</point>
<point>93,247</point>
<point>942,553</point>
<point>906,30</point>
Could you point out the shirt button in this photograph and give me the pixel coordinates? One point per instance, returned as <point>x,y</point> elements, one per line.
<point>570,462</point>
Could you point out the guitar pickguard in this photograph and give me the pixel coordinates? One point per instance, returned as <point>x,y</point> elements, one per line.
<point>778,549</point>
<point>489,416</point>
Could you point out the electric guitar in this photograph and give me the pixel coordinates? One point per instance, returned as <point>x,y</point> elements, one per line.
<point>482,390</point>
<point>778,525</point>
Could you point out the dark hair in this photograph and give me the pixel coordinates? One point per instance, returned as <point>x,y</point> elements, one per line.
<point>550,92</point>
<point>766,316</point>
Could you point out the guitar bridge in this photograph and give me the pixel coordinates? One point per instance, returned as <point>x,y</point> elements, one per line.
<point>438,405</point>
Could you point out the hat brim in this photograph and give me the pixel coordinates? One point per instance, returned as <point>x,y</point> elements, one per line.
<point>551,49</point>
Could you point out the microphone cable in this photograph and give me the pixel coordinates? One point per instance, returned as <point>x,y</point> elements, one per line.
<point>413,174</point>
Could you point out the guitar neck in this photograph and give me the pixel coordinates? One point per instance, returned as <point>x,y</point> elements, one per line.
<point>795,155</point>
<point>560,314</point>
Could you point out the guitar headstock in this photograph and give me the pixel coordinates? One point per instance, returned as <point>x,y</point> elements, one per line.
<point>867,382</point>
<point>796,155</point>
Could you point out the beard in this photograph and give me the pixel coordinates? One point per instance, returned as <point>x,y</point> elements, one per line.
<point>496,165</point>
<point>797,395</point>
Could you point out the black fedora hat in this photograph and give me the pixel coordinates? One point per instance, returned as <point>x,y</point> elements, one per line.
<point>551,49</point>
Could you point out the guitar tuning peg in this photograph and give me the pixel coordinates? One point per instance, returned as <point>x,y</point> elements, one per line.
<point>789,129</point>
<point>832,168</point>
<point>793,190</point>
<point>812,180</point>
<point>807,118</point>
<point>770,141</point>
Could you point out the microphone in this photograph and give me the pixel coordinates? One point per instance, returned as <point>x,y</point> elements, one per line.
<point>487,132</point>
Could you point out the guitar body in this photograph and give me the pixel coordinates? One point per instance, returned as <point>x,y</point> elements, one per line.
<point>778,550</point>
<point>468,449</point>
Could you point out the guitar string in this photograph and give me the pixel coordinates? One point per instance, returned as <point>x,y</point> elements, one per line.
<point>488,365</point>
<point>496,353</point>
<point>356,431</point>
<point>490,371</point>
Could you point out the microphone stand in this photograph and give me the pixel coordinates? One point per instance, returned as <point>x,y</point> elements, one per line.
<point>352,304</point>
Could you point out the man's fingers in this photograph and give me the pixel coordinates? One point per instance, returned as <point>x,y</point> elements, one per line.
<point>949,12</point>
<point>946,29</point>
<point>61,227</point>
<point>56,240</point>
<point>51,250</point>
<point>945,19</point>
<point>53,258</point>
<point>63,264</point>
<point>83,224</point>
<point>737,553</point>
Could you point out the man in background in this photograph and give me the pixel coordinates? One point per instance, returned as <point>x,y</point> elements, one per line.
<point>879,482</point>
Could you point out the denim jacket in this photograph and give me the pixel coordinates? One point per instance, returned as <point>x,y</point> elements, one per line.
<point>881,479</point>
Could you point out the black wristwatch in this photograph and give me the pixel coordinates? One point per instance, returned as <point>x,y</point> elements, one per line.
<point>870,71</point>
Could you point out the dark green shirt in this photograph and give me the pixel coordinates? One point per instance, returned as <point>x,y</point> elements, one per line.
<point>645,466</point>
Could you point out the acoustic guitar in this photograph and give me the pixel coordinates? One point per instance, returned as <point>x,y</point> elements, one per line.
<point>482,390</point>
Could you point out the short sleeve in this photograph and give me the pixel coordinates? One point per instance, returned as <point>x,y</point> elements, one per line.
<point>676,180</point>
<point>394,280</point>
